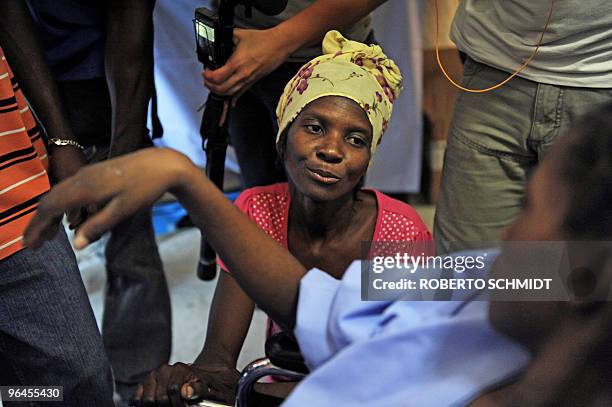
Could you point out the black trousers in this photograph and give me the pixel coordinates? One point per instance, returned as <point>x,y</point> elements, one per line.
<point>136,326</point>
<point>253,127</point>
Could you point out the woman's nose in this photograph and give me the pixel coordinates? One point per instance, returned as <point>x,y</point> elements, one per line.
<point>331,149</point>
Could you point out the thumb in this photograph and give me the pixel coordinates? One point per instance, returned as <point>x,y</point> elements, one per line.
<point>103,221</point>
<point>194,389</point>
<point>239,34</point>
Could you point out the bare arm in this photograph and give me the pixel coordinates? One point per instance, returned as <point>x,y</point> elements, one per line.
<point>26,57</point>
<point>228,323</point>
<point>259,52</point>
<point>213,374</point>
<point>129,71</point>
<point>267,272</point>
<point>310,25</point>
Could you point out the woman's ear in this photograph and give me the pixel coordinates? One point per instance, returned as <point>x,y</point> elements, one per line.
<point>281,148</point>
<point>589,281</point>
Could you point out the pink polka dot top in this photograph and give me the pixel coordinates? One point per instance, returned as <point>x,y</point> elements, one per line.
<point>396,221</point>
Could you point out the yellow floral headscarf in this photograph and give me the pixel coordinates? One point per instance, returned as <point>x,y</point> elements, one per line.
<point>360,72</point>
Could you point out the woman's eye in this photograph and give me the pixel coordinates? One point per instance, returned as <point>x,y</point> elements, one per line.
<point>314,128</point>
<point>356,141</point>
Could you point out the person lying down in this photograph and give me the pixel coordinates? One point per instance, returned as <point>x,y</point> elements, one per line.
<point>396,353</point>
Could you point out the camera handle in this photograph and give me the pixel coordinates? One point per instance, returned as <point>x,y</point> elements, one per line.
<point>215,134</point>
<point>215,118</point>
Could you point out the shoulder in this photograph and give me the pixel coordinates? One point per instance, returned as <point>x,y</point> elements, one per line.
<point>399,221</point>
<point>266,196</point>
<point>267,207</point>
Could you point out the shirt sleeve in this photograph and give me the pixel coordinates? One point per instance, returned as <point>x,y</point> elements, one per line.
<point>317,292</point>
<point>383,353</point>
<point>422,354</point>
<point>331,314</point>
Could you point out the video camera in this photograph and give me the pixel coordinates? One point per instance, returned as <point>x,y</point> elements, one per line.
<point>214,39</point>
<point>211,43</point>
<point>214,31</point>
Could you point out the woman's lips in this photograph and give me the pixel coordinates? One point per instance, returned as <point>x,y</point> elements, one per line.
<point>323,176</point>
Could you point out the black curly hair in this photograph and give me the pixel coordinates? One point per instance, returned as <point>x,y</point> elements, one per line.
<point>587,171</point>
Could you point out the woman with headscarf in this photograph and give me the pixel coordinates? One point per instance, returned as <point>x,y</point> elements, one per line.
<point>331,116</point>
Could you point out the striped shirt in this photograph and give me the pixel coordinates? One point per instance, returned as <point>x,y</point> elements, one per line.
<point>23,163</point>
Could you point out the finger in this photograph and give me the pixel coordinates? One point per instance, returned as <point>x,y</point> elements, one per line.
<point>174,396</point>
<point>216,77</point>
<point>76,217</point>
<point>103,221</point>
<point>42,227</point>
<point>234,86</point>
<point>194,389</point>
<point>137,397</point>
<point>178,376</point>
<point>239,87</point>
<point>239,34</point>
<point>149,387</point>
<point>161,391</point>
<point>66,196</point>
<point>91,209</point>
<point>48,233</point>
<point>35,238</point>
<point>226,87</point>
<point>73,217</point>
<point>188,392</point>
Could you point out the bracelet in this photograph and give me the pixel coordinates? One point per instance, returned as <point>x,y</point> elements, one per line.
<point>63,142</point>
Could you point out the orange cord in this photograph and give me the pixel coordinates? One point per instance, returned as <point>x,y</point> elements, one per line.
<point>535,52</point>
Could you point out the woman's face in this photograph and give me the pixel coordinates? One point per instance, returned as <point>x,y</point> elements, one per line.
<point>328,148</point>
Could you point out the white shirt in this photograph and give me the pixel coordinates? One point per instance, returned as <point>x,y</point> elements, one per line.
<point>576,50</point>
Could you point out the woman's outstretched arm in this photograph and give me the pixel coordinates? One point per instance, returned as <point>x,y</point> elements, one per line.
<point>267,272</point>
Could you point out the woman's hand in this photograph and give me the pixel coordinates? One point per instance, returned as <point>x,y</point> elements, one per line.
<point>120,186</point>
<point>172,385</point>
<point>257,53</point>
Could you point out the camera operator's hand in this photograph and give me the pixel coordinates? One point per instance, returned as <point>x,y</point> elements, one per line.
<point>172,385</point>
<point>257,53</point>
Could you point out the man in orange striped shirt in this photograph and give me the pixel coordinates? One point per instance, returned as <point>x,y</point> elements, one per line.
<point>48,334</point>
<point>23,163</point>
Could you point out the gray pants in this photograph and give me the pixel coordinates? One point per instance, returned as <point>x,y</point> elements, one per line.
<point>496,139</point>
<point>48,334</point>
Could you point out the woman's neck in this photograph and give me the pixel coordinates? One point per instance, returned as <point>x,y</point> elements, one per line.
<point>322,220</point>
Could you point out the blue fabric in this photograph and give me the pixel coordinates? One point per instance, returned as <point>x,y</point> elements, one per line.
<point>48,334</point>
<point>418,353</point>
<point>73,36</point>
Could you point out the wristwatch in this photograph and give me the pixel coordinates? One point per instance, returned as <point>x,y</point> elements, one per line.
<point>63,142</point>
